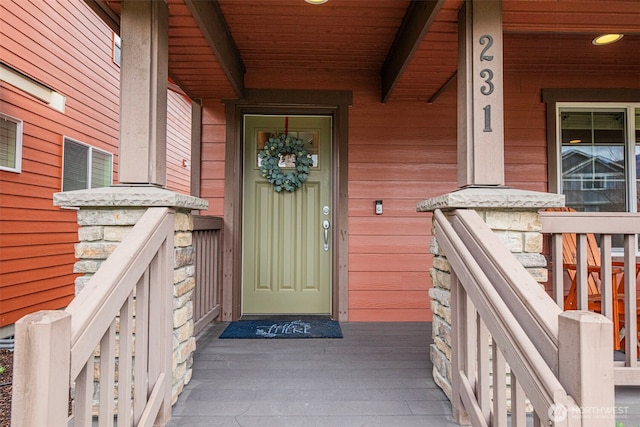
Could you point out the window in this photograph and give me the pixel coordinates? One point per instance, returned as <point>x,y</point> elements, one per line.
<point>10,144</point>
<point>599,155</point>
<point>85,167</point>
<point>117,49</point>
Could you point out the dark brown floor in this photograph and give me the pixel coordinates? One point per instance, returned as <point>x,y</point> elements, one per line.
<point>379,374</point>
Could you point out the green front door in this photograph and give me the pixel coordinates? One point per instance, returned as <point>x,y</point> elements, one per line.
<point>286,263</point>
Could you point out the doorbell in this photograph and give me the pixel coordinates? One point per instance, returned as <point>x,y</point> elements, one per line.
<point>378,207</point>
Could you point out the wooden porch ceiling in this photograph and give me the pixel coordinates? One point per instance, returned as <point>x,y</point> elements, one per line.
<point>410,45</point>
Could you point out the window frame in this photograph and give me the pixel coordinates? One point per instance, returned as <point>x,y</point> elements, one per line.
<point>18,150</point>
<point>116,47</point>
<point>90,150</point>
<point>629,109</point>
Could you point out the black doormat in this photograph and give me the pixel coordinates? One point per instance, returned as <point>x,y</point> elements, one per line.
<point>312,328</point>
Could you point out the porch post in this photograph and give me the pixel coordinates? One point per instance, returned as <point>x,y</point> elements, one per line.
<point>480,94</point>
<point>143,92</point>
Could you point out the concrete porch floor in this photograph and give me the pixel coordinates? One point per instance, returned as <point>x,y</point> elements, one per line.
<point>379,374</point>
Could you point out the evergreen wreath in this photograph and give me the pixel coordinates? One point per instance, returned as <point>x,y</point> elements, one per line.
<point>270,155</point>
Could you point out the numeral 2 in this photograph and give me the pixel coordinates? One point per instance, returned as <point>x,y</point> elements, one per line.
<point>488,40</point>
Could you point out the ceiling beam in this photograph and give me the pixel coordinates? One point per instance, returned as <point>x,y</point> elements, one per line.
<point>211,22</point>
<point>419,17</point>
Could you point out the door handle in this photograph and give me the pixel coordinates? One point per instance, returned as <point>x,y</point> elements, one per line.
<point>326,224</point>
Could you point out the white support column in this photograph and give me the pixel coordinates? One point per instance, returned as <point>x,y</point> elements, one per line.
<point>143,92</point>
<point>480,94</point>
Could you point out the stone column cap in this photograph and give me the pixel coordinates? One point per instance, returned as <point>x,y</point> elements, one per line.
<point>492,198</point>
<point>128,196</point>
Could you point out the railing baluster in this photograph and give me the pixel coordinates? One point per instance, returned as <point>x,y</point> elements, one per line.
<point>606,285</point>
<point>582,274</point>
<point>483,363</point>
<point>499,414</point>
<point>518,403</point>
<point>536,420</point>
<point>630,303</point>
<point>125,355</point>
<point>141,347</point>
<point>107,375</point>
<point>83,402</point>
<point>558,270</point>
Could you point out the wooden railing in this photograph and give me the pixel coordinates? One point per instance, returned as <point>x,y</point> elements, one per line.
<point>508,333</point>
<point>116,331</point>
<point>207,242</point>
<point>618,301</point>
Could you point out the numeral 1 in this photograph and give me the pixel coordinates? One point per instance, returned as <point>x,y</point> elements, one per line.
<point>487,119</point>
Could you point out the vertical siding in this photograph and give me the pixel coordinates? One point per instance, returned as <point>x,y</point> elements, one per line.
<point>64,45</point>
<point>178,142</point>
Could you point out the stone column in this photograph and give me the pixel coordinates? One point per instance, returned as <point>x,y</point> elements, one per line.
<point>105,217</point>
<point>513,215</point>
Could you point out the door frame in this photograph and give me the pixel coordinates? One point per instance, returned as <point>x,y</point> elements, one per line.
<point>292,102</point>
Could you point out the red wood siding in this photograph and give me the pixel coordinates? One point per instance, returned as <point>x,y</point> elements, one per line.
<point>64,45</point>
<point>213,146</point>
<point>401,153</point>
<point>178,142</point>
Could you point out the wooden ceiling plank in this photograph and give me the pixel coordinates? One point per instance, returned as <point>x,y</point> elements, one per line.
<point>420,15</point>
<point>214,28</point>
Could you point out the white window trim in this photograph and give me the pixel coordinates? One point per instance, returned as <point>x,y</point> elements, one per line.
<point>89,159</point>
<point>116,45</point>
<point>630,165</point>
<point>19,128</point>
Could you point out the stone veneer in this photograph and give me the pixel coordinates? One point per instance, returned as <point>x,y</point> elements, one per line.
<point>513,216</point>
<point>105,217</point>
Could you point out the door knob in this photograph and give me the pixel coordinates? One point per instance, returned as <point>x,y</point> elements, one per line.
<point>326,224</point>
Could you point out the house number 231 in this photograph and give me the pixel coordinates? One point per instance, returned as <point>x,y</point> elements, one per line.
<point>487,75</point>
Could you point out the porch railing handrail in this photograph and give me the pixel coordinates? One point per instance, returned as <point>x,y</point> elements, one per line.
<point>495,300</point>
<point>606,225</point>
<point>134,282</point>
<point>518,290</point>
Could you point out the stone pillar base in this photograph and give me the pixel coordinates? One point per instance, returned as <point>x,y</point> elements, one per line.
<point>105,217</point>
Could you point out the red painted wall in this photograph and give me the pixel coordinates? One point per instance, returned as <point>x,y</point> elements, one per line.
<point>64,45</point>
<point>67,47</point>
<point>178,142</point>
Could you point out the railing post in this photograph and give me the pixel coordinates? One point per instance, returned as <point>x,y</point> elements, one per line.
<point>42,361</point>
<point>585,365</point>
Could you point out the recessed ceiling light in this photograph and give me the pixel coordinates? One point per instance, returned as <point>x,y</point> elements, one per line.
<point>316,1</point>
<point>606,39</point>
